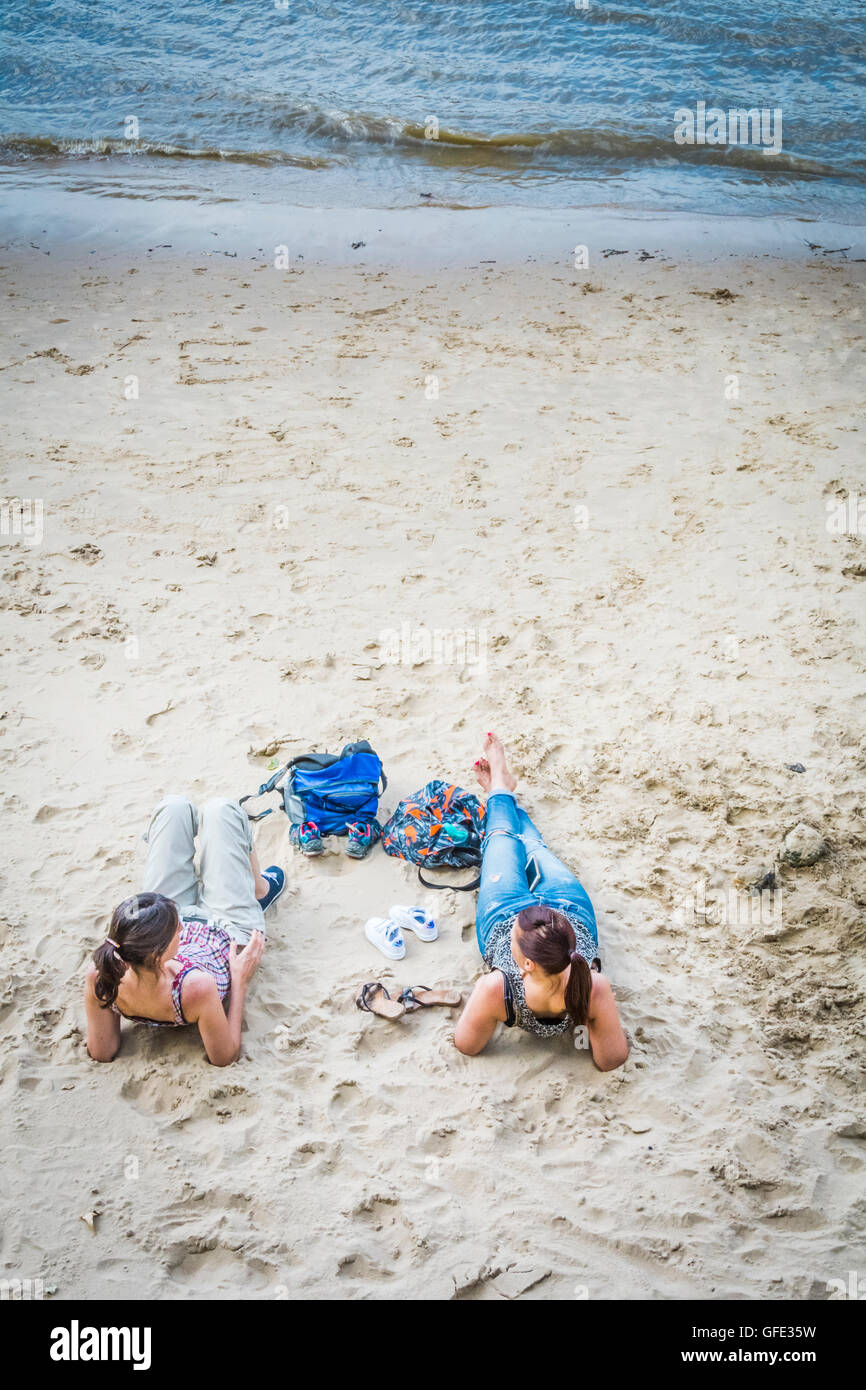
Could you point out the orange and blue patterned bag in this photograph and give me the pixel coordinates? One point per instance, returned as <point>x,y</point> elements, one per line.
<point>440,827</point>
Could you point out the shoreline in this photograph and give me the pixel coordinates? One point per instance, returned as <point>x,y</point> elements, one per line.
<point>71,224</point>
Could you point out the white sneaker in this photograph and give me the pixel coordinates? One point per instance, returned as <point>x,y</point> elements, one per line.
<point>415,919</point>
<point>386,936</point>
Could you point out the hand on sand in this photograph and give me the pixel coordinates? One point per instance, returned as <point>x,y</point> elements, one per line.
<point>242,967</point>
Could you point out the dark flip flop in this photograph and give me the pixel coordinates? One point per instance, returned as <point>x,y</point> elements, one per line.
<point>375,999</point>
<point>423,997</point>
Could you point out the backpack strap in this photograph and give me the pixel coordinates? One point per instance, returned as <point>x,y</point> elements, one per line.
<point>313,762</point>
<point>457,887</point>
<point>269,786</point>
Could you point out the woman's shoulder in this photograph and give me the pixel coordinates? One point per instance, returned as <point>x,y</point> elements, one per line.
<point>194,991</point>
<point>197,984</point>
<point>601,987</point>
<point>491,985</point>
<point>489,994</point>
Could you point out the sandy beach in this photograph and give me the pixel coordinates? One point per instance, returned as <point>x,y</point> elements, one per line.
<point>619,489</point>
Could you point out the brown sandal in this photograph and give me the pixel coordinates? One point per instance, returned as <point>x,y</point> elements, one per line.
<point>375,999</point>
<point>423,997</point>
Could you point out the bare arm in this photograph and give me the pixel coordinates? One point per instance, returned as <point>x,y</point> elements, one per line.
<point>606,1037</point>
<point>221,1031</point>
<point>484,1009</point>
<point>103,1025</point>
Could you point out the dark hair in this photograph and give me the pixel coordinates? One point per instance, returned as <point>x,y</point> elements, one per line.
<point>547,937</point>
<point>141,929</point>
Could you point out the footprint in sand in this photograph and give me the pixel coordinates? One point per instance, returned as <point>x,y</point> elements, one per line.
<point>318,1155</point>
<point>210,1271</point>
<point>231,1107</point>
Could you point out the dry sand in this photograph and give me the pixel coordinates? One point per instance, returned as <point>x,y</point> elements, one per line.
<point>220,559</point>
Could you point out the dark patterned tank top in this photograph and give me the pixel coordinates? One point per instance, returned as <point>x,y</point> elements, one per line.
<point>499,957</point>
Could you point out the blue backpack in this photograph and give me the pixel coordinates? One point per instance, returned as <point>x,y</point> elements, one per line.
<point>328,788</point>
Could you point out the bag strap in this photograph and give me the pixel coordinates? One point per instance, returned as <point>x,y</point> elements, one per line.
<point>315,762</point>
<point>269,786</point>
<point>457,887</point>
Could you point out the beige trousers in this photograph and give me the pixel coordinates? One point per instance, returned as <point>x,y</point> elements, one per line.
<point>223,891</point>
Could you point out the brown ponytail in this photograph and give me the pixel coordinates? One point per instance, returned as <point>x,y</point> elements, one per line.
<point>547,937</point>
<point>141,929</point>
<point>578,990</point>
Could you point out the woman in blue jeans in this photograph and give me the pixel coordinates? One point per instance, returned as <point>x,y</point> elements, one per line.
<point>536,930</point>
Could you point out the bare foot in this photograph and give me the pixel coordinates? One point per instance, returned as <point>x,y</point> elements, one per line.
<point>482,772</point>
<point>500,773</point>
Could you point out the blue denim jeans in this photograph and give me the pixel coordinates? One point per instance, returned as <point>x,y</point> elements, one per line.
<point>512,850</point>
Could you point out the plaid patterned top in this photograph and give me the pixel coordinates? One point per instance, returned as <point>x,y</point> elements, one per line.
<point>202,946</point>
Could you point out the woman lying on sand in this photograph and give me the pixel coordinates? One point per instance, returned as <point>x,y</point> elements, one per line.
<point>536,930</point>
<point>171,955</point>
